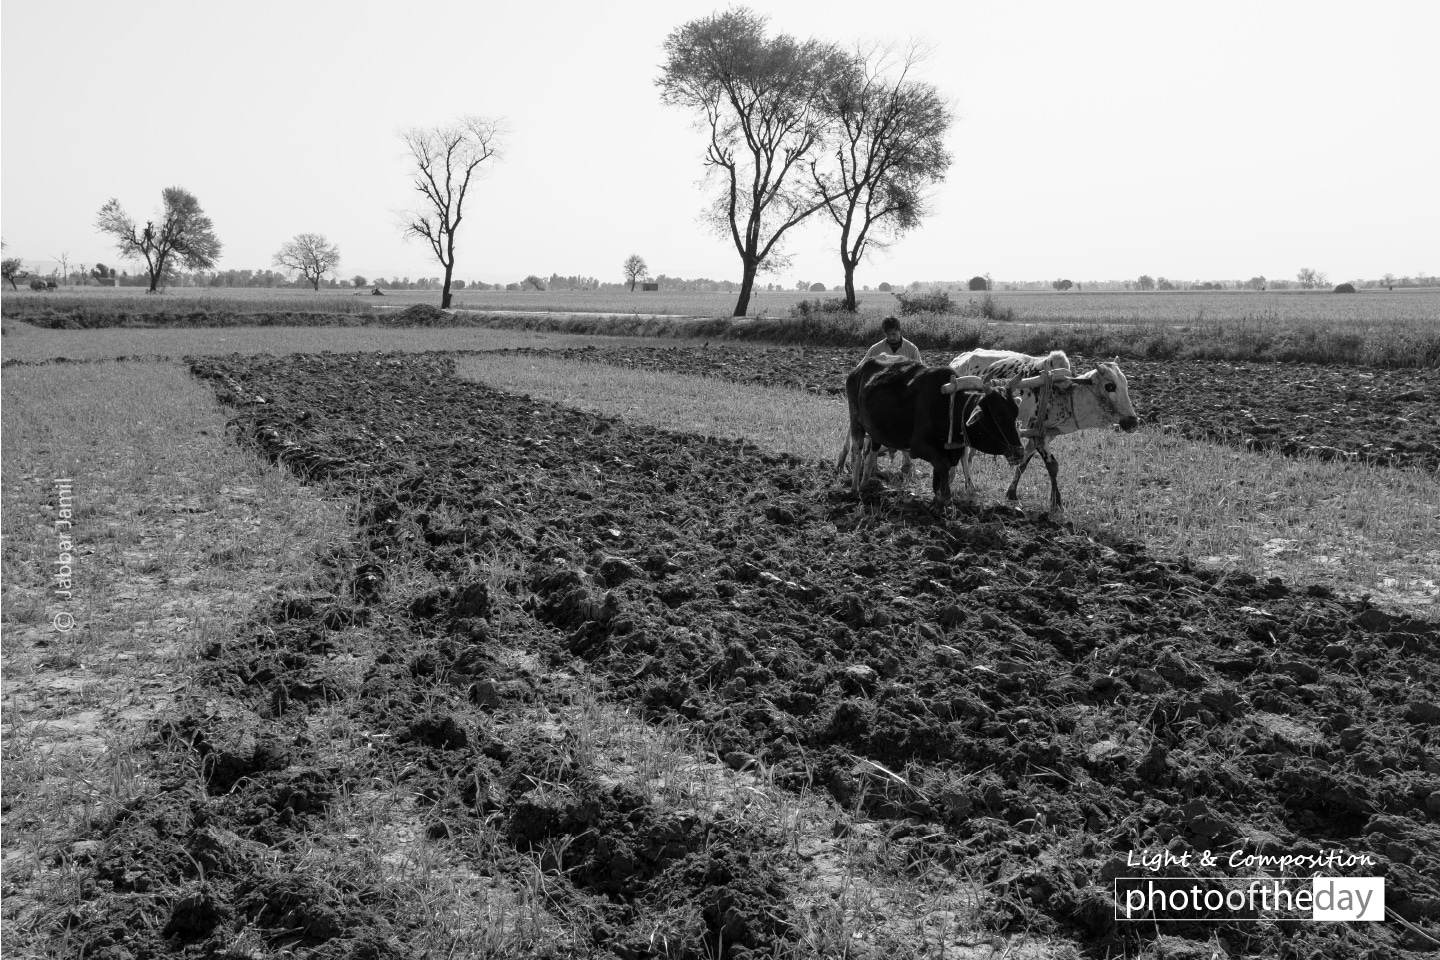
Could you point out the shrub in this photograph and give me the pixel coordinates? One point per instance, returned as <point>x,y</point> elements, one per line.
<point>989,308</point>
<point>418,315</point>
<point>1345,288</point>
<point>884,288</point>
<point>938,302</point>
<point>808,308</point>
<point>979,283</point>
<point>817,288</point>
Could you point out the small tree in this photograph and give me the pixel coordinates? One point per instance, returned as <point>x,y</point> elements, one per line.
<point>12,269</point>
<point>310,255</point>
<point>1062,284</point>
<point>535,282</point>
<point>184,236</point>
<point>447,159</point>
<point>359,280</point>
<point>635,269</point>
<point>1146,282</point>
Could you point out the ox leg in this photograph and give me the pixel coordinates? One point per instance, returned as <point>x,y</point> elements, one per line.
<point>965,468</point>
<point>964,465</point>
<point>940,480</point>
<point>939,469</point>
<point>1031,448</point>
<point>858,459</point>
<point>1052,466</point>
<point>872,461</point>
<point>907,469</point>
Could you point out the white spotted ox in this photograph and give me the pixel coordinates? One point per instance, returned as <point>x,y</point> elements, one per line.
<point>1099,398</point>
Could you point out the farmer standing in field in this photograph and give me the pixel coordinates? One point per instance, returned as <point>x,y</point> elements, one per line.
<point>894,344</point>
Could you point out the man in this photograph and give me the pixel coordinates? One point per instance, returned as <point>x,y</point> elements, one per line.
<point>894,344</point>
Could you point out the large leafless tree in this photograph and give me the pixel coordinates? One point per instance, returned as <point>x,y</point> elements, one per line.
<point>310,255</point>
<point>760,99</point>
<point>183,234</point>
<point>447,161</point>
<point>884,147</point>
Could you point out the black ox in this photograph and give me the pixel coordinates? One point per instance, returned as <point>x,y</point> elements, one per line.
<point>932,414</point>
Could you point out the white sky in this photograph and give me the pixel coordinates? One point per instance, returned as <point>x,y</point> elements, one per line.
<point>1096,140</point>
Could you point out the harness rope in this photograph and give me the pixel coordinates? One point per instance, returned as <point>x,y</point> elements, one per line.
<point>1042,407</point>
<point>964,427</point>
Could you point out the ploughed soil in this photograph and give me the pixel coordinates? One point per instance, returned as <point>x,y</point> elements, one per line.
<point>1012,699</point>
<point>1387,417</point>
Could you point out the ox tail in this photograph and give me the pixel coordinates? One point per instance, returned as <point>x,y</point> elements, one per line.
<point>844,455</point>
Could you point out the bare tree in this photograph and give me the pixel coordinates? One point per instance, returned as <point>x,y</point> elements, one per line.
<point>886,140</point>
<point>64,259</point>
<point>310,255</point>
<point>635,268</point>
<point>185,234</point>
<point>447,159</point>
<point>761,99</point>
<point>1307,277</point>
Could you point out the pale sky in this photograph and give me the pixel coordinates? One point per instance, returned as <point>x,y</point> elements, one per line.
<point>1095,141</point>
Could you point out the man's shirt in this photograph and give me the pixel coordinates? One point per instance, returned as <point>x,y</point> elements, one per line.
<point>906,350</point>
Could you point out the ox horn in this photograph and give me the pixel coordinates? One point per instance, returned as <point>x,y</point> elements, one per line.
<point>1013,382</point>
<point>962,383</point>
